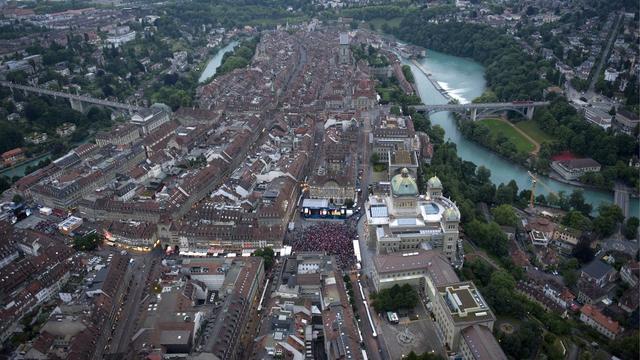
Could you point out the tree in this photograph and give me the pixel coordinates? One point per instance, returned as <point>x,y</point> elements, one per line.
<point>505,215</point>
<point>10,137</point>
<point>483,174</point>
<point>627,347</point>
<point>395,110</point>
<point>395,298</point>
<point>583,251</point>
<point>375,158</point>
<point>568,270</point>
<point>576,200</point>
<point>406,71</point>
<point>4,183</point>
<point>609,216</point>
<point>576,220</point>
<point>522,343</point>
<point>630,229</point>
<point>348,203</point>
<point>87,242</point>
<point>267,254</point>
<point>17,199</point>
<point>488,236</point>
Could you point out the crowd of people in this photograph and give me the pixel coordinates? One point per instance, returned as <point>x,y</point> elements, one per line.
<point>332,238</point>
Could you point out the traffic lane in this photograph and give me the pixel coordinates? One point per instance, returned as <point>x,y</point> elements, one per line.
<point>372,346</point>
<point>132,314</point>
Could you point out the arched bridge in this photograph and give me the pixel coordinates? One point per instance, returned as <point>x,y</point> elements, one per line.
<point>76,101</point>
<point>525,108</point>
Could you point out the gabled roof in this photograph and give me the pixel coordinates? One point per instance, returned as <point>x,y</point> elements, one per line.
<point>601,319</point>
<point>597,269</point>
<point>482,343</point>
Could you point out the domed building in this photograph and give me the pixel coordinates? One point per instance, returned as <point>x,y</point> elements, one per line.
<point>406,220</point>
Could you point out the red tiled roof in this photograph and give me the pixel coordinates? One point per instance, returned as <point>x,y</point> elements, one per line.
<point>601,319</point>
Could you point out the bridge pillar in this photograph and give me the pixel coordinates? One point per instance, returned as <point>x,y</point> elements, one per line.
<point>529,111</point>
<point>76,105</point>
<point>474,114</point>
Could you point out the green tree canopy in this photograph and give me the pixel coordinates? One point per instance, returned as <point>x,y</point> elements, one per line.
<point>630,229</point>
<point>505,215</point>
<point>395,298</point>
<point>267,254</point>
<point>609,216</point>
<point>87,242</point>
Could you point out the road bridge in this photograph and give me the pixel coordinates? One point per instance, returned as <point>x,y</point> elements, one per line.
<point>525,108</point>
<point>77,101</point>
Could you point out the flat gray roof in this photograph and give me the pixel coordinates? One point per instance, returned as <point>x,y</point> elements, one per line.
<point>174,337</point>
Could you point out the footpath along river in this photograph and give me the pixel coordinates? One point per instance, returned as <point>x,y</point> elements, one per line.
<point>464,80</point>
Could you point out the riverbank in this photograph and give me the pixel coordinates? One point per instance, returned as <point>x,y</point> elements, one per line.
<point>20,168</point>
<point>465,81</point>
<point>434,83</point>
<point>215,60</point>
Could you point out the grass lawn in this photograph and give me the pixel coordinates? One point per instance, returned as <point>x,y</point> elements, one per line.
<point>377,22</point>
<point>379,167</point>
<point>499,127</point>
<point>532,129</point>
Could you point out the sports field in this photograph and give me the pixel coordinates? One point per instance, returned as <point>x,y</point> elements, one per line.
<point>499,126</point>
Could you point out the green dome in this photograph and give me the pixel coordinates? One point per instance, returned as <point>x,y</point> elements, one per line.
<point>434,182</point>
<point>403,184</point>
<point>451,214</point>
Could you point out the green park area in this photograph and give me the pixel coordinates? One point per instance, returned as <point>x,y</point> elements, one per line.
<point>378,23</point>
<point>531,128</point>
<point>499,128</point>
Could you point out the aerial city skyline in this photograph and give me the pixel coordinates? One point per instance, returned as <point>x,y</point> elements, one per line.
<point>341,179</point>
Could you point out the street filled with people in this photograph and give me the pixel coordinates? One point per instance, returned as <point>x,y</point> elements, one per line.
<point>332,238</point>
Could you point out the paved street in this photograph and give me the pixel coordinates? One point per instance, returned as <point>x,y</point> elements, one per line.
<point>139,285</point>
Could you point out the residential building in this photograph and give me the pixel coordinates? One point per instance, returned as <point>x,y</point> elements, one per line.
<point>629,300</point>
<point>538,238</point>
<point>536,293</point>
<point>573,169</point>
<point>139,236</point>
<point>611,74</point>
<point>561,295</point>
<point>565,238</point>
<point>603,324</point>
<point>13,156</point>
<point>598,117</point>
<point>629,273</point>
<point>66,129</point>
<point>598,273</point>
<point>120,136</point>
<point>626,120</point>
<point>119,39</point>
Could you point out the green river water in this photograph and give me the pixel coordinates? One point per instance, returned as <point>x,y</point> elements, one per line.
<point>464,80</point>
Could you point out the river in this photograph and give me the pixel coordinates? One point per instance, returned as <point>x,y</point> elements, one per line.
<point>20,169</point>
<point>464,80</point>
<point>215,61</point>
